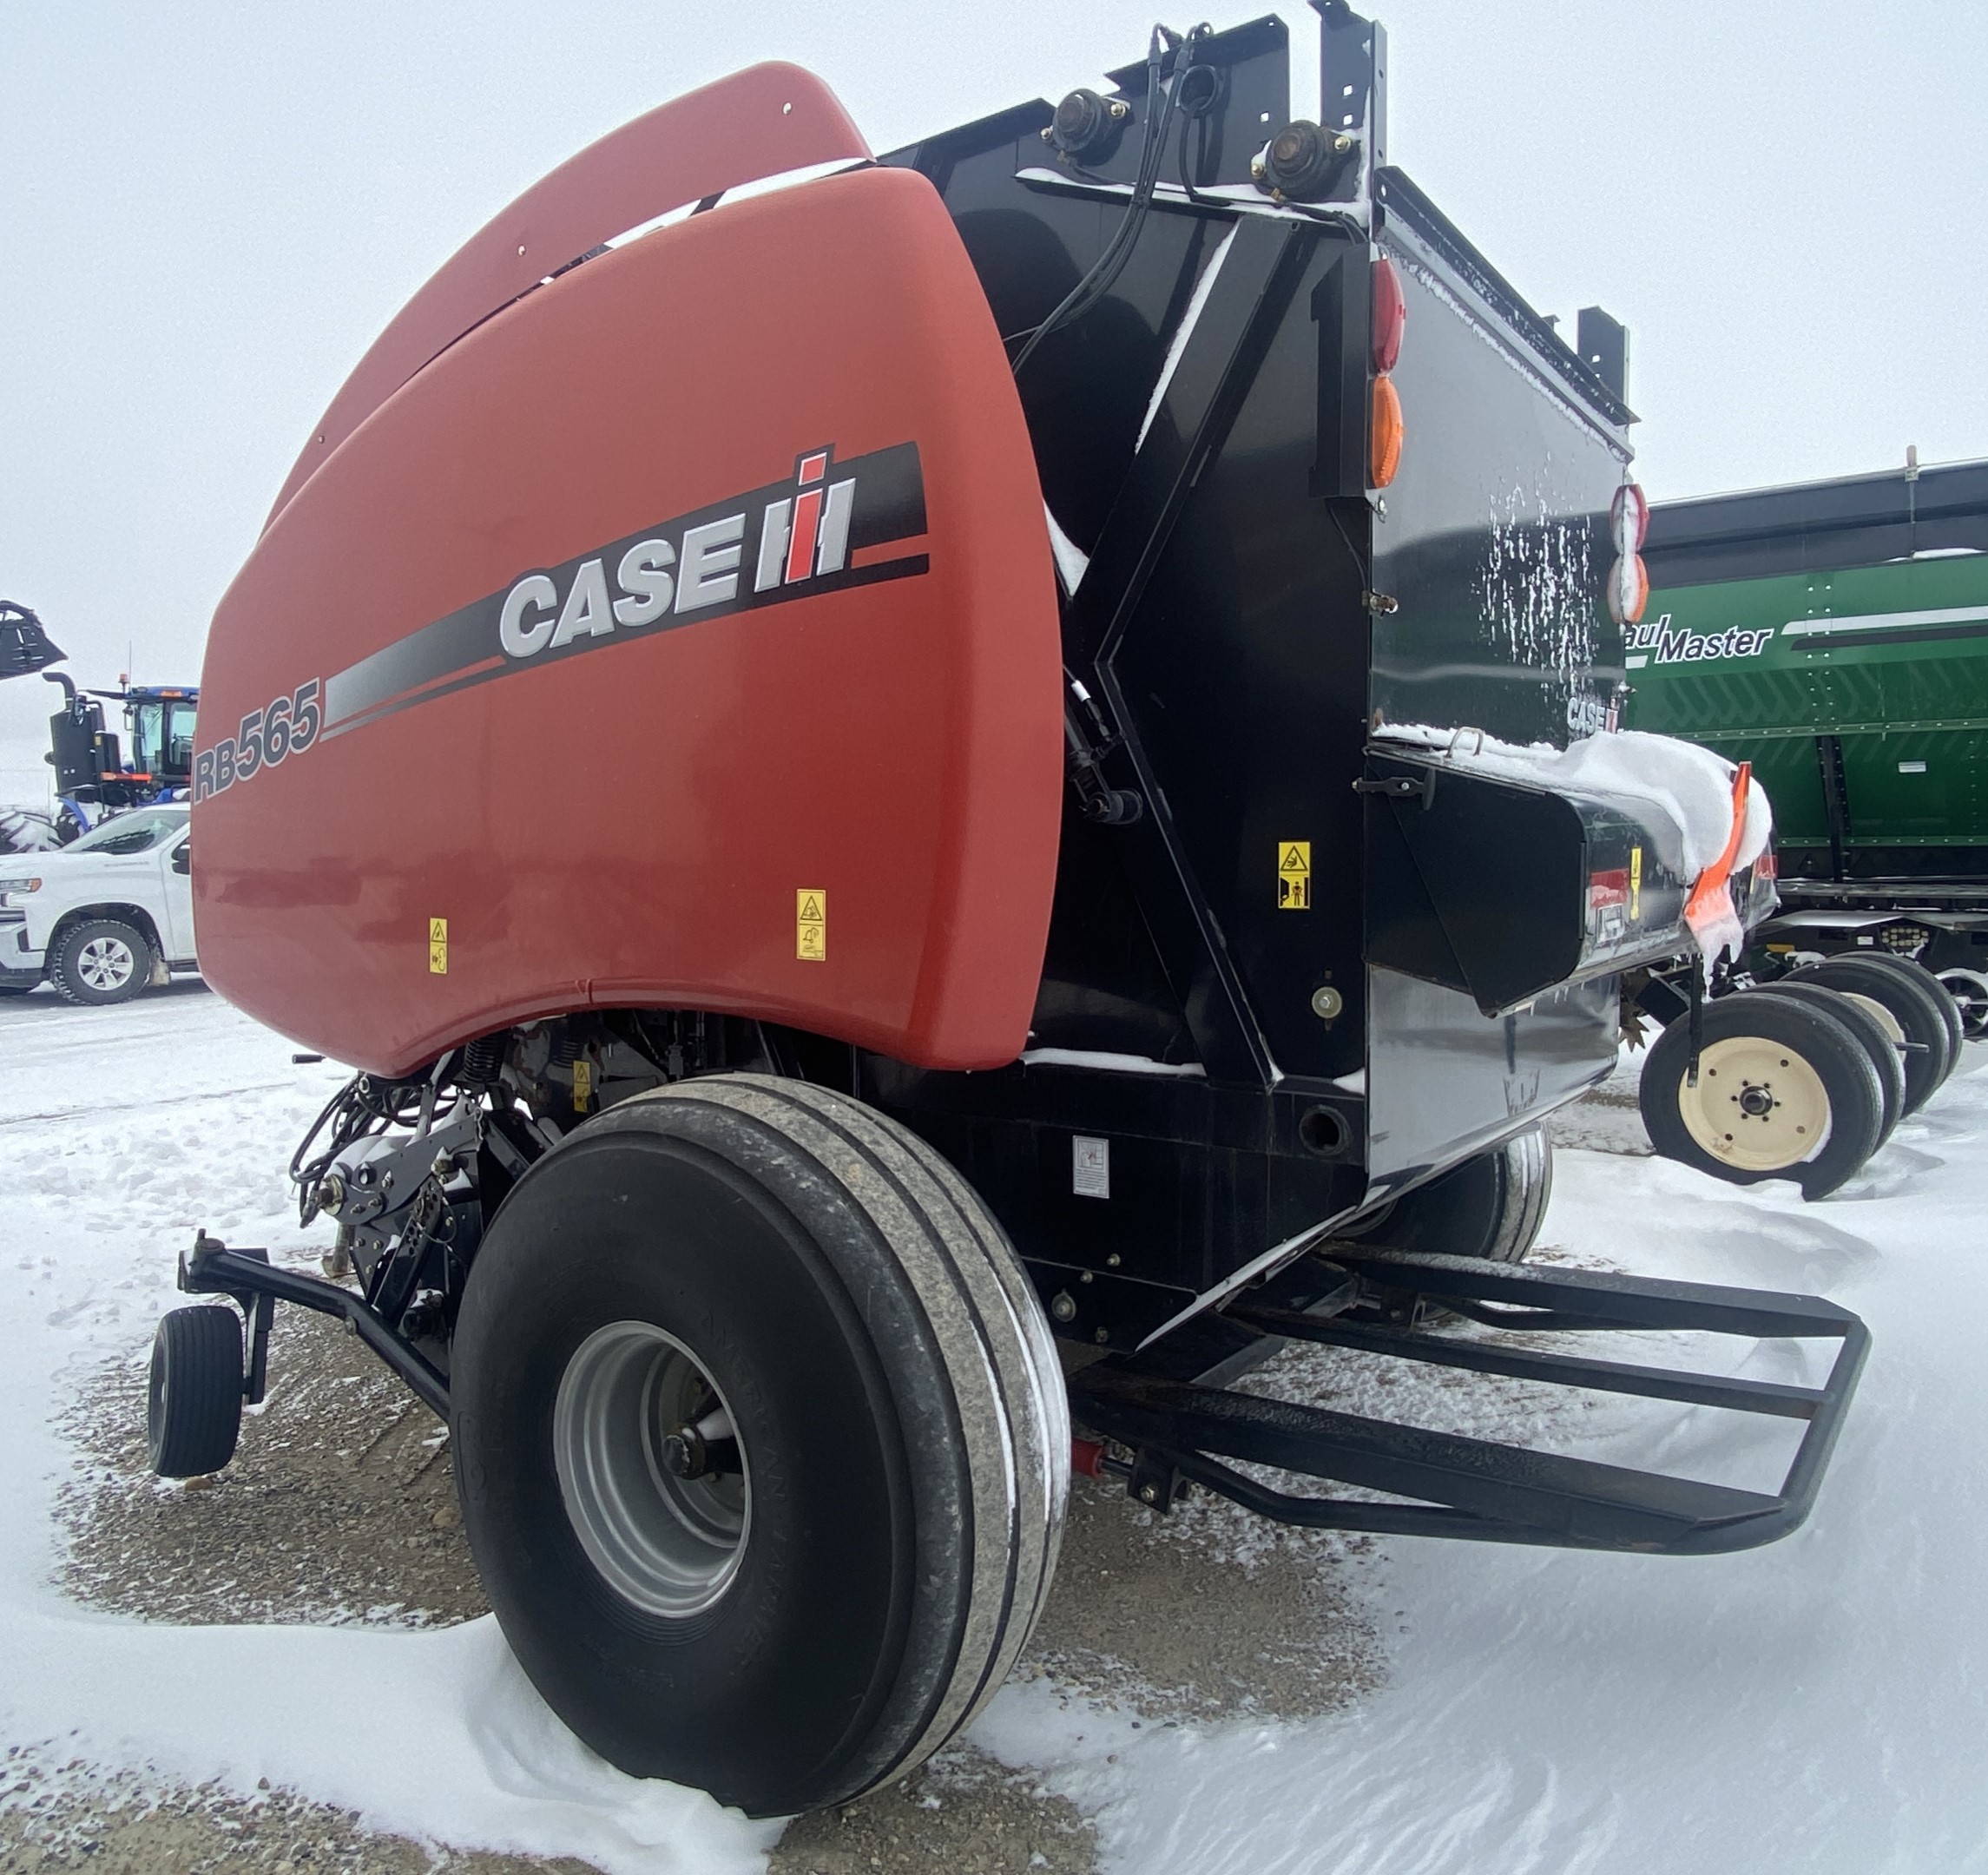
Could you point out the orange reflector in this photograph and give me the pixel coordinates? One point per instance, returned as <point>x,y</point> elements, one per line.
<point>1390,314</point>
<point>1385,453</point>
<point>1629,589</point>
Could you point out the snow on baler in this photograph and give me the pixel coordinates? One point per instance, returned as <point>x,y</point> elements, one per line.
<point>1022,619</point>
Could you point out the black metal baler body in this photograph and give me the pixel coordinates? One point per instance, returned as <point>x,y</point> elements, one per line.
<point>1245,621</point>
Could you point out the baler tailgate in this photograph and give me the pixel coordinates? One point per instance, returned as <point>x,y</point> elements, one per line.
<point>1481,1488</point>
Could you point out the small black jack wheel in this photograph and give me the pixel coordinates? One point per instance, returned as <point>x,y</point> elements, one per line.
<point>192,1413</point>
<point>762,1441</point>
<point>1784,1091</point>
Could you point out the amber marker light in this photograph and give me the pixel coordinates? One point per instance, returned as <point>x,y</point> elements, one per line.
<point>1384,454</point>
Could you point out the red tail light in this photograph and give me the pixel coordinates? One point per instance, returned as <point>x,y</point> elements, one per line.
<point>1390,315</point>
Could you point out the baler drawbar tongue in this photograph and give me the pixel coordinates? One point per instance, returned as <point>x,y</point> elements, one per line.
<point>1475,1488</point>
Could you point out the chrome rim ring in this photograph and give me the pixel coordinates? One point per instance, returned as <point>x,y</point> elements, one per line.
<point>654,1479</point>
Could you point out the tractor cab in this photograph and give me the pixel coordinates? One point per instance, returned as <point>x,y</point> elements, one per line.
<point>89,759</point>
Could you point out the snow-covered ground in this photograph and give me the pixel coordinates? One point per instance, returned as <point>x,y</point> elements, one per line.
<point>1818,1706</point>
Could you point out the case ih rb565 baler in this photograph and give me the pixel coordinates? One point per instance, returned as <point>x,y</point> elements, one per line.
<point>885,780</point>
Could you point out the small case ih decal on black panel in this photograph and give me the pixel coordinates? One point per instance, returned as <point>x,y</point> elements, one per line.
<point>788,541</point>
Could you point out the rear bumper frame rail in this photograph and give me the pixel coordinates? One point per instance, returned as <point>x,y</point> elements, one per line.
<point>1480,1489</point>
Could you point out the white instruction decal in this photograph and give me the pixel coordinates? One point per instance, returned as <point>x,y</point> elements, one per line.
<point>1090,1168</point>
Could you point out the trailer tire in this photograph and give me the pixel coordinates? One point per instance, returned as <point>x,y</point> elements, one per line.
<point>1944,999</point>
<point>1873,1025</point>
<point>818,1610</point>
<point>100,961</point>
<point>1929,1050</point>
<point>193,1406</point>
<point>1830,1093</point>
<point>1968,989</point>
<point>1489,1206</point>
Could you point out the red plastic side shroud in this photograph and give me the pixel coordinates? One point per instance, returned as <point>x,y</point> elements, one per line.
<point>762,121</point>
<point>625,818</point>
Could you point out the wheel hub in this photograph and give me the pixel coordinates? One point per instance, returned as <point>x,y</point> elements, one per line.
<point>654,1477</point>
<point>1759,1105</point>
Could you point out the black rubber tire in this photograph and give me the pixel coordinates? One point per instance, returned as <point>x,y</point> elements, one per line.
<point>66,967</point>
<point>192,1407</point>
<point>1827,1047</point>
<point>1943,998</point>
<point>1968,989</point>
<point>1884,1055</point>
<point>1488,1206</point>
<point>897,1396</point>
<point>1929,1052</point>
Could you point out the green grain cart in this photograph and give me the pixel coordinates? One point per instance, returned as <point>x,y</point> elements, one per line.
<point>1835,635</point>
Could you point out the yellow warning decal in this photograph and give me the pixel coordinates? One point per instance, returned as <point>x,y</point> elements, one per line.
<point>810,926</point>
<point>1635,882</point>
<point>1294,875</point>
<point>438,947</point>
<point>583,1084</point>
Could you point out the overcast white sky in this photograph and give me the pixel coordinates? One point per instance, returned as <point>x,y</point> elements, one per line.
<point>208,212</point>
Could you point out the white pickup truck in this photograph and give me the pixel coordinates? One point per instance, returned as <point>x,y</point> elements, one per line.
<point>104,916</point>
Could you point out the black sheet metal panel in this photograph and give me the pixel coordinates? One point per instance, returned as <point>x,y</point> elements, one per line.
<point>1816,527</point>
<point>1202,434</point>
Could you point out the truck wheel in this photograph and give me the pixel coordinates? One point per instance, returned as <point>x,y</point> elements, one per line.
<point>193,1409</point>
<point>1915,972</point>
<point>1784,1091</point>
<point>100,960</point>
<point>1929,1050</point>
<point>762,1441</point>
<point>1873,1025</point>
<point>1968,989</point>
<point>1489,1206</point>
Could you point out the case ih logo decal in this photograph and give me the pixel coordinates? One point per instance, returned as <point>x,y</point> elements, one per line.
<point>818,532</point>
<point>1656,643</point>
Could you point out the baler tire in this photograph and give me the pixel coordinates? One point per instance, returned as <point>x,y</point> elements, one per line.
<point>1943,996</point>
<point>99,962</point>
<point>1861,1018</point>
<point>192,1408</point>
<point>1929,1052</point>
<point>902,1444</point>
<point>1824,1063</point>
<point>1489,1206</point>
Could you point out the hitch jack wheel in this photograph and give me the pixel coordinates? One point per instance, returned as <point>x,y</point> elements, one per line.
<point>762,1439</point>
<point>1784,1090</point>
<point>193,1409</point>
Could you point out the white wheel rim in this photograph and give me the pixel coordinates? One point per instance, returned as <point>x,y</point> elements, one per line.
<point>1877,1013</point>
<point>106,963</point>
<point>1759,1105</point>
<point>670,1544</point>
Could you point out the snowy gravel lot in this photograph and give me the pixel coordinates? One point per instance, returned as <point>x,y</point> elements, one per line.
<point>1209,1698</point>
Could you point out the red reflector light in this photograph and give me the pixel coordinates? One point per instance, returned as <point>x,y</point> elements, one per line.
<point>1390,315</point>
<point>1629,589</point>
<point>1384,454</point>
<point>1767,867</point>
<point>1606,889</point>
